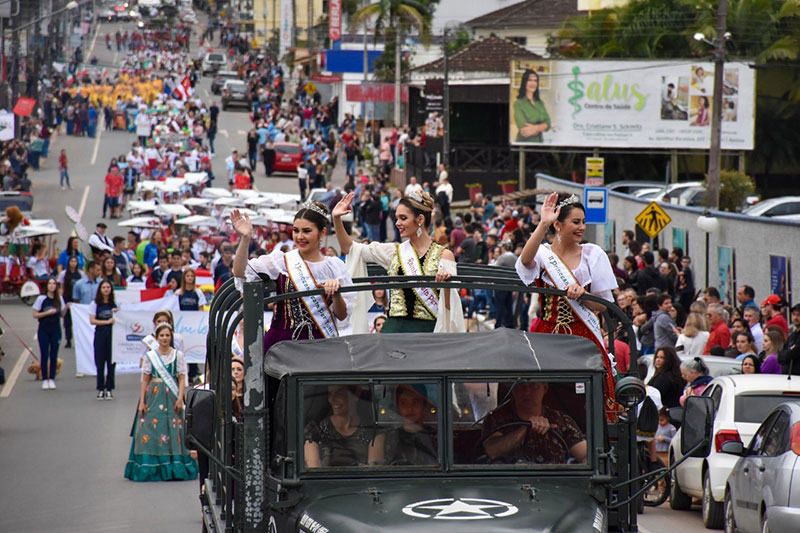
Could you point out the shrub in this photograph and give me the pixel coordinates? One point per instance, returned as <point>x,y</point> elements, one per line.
<point>734,188</point>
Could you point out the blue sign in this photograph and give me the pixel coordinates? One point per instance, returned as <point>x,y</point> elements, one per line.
<point>349,60</point>
<point>595,200</point>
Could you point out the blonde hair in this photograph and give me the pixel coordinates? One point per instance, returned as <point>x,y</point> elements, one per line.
<point>695,323</point>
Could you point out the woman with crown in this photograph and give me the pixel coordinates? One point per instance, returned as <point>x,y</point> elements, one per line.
<point>573,266</point>
<point>419,309</point>
<point>302,269</point>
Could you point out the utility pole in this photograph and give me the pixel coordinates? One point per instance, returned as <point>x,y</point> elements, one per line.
<point>398,65</point>
<point>446,103</point>
<point>714,156</point>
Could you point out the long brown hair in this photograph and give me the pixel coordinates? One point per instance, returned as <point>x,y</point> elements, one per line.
<point>183,288</point>
<point>113,275</point>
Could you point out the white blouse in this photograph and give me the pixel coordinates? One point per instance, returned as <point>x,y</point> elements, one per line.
<point>181,369</point>
<point>595,269</point>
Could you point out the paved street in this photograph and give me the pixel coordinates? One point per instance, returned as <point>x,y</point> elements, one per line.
<point>62,453</point>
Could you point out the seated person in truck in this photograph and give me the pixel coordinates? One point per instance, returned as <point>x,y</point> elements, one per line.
<point>525,430</point>
<point>414,442</point>
<point>341,438</point>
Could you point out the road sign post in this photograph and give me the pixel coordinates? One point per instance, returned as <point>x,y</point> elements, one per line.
<point>653,219</point>
<point>595,200</point>
<point>595,171</point>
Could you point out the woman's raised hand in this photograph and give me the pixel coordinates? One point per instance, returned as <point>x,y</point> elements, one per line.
<point>549,211</point>
<point>241,223</point>
<point>344,206</point>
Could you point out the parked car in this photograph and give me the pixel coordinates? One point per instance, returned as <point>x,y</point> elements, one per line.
<point>672,192</point>
<point>763,490</point>
<point>235,92</point>
<point>742,403</point>
<point>212,62</point>
<point>287,157</point>
<point>647,193</point>
<point>630,187</point>
<point>784,208</point>
<point>692,197</point>
<point>717,365</point>
<point>23,200</point>
<point>220,79</point>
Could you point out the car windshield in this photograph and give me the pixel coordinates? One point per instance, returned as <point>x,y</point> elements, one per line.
<point>215,57</point>
<point>391,424</point>
<point>287,149</point>
<point>754,408</point>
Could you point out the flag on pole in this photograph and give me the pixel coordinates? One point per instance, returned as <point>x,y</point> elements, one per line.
<point>184,89</point>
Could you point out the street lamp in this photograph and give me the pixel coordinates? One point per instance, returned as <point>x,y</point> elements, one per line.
<point>708,224</point>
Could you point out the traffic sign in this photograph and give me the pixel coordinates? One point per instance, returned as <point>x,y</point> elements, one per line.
<point>595,171</point>
<point>653,219</point>
<point>310,88</point>
<point>595,200</point>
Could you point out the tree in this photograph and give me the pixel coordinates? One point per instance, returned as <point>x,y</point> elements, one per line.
<point>396,17</point>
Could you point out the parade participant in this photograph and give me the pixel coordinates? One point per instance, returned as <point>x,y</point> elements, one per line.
<point>414,442</point>
<point>158,452</point>
<point>67,280</point>
<point>137,274</point>
<point>190,298</point>
<point>110,272</point>
<point>101,315</point>
<point>48,310</point>
<point>301,269</point>
<point>72,249</point>
<point>573,267</point>
<point>410,310</point>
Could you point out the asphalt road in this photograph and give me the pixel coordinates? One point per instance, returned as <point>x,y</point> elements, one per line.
<point>63,453</point>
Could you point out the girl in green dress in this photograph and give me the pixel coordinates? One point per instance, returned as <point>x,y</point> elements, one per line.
<point>158,452</point>
<point>410,310</point>
<point>530,115</point>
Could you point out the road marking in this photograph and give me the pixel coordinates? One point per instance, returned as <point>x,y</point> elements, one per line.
<point>91,48</point>
<point>241,132</point>
<point>96,146</point>
<point>81,208</point>
<point>205,91</point>
<point>15,372</point>
<point>224,132</point>
<point>643,529</point>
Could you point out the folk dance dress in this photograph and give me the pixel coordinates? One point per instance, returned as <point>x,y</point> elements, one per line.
<point>410,310</point>
<point>556,315</point>
<point>298,318</point>
<point>158,452</point>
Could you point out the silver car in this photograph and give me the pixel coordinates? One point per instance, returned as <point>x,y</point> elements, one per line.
<point>763,490</point>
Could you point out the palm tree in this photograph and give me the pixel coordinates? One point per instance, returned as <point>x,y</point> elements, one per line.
<point>394,16</point>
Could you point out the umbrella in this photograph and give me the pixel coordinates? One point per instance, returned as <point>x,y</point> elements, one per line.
<point>198,220</point>
<point>195,178</point>
<point>233,202</point>
<point>141,206</point>
<point>147,185</point>
<point>172,209</point>
<point>215,192</point>
<point>197,202</point>
<point>243,210</point>
<point>245,193</point>
<point>142,222</point>
<point>35,228</point>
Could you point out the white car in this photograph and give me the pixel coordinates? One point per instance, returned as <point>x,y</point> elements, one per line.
<point>672,192</point>
<point>742,403</point>
<point>212,62</point>
<point>783,208</point>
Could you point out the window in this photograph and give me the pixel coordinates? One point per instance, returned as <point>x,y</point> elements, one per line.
<point>758,439</point>
<point>786,208</point>
<point>522,41</point>
<point>519,422</point>
<point>778,436</point>
<point>753,408</point>
<point>350,425</point>
<point>287,149</point>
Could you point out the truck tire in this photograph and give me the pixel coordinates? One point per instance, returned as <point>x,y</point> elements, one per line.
<point>713,511</point>
<point>678,500</point>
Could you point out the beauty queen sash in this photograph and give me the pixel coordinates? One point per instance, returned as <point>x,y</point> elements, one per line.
<point>409,262</point>
<point>161,370</point>
<point>562,277</point>
<point>304,281</point>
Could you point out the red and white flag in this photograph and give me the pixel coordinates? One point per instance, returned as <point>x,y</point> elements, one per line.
<point>184,88</point>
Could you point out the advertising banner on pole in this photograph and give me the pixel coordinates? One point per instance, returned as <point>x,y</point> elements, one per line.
<point>335,20</point>
<point>628,104</point>
<point>287,27</point>
<point>6,126</point>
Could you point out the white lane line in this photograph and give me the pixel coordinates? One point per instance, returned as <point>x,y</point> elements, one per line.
<point>224,132</point>
<point>96,146</point>
<point>205,91</point>
<point>81,208</point>
<point>15,372</point>
<point>91,48</point>
<point>241,132</point>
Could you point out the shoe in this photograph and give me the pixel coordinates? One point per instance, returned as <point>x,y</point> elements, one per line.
<point>68,344</point>
<point>52,384</point>
<point>100,395</point>
<point>45,384</point>
<point>109,395</point>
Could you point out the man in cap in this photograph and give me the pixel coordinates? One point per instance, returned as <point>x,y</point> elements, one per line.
<point>771,309</point>
<point>98,242</point>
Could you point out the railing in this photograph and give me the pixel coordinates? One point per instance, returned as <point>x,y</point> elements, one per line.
<point>245,511</point>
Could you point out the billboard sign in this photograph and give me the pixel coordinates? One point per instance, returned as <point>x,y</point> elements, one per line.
<point>628,104</point>
<point>434,95</point>
<point>335,20</point>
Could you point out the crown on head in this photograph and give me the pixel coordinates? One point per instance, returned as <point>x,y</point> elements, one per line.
<point>571,199</point>
<point>314,207</point>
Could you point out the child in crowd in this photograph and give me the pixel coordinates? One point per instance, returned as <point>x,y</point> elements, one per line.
<point>664,435</point>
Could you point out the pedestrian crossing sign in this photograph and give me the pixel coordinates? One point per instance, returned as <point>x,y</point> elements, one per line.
<point>653,219</point>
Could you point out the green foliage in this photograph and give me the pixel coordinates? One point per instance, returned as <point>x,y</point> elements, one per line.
<point>458,41</point>
<point>734,188</point>
<point>384,63</point>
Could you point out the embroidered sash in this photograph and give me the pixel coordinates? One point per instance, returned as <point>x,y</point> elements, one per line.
<point>302,278</point>
<point>161,370</point>
<point>562,277</point>
<point>409,262</point>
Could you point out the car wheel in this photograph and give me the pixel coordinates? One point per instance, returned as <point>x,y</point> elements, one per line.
<point>730,519</point>
<point>712,510</point>
<point>764,523</point>
<point>678,500</point>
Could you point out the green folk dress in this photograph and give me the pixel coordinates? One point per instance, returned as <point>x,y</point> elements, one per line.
<point>527,113</point>
<point>158,452</point>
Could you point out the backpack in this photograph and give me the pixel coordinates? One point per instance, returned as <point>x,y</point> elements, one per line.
<point>648,419</point>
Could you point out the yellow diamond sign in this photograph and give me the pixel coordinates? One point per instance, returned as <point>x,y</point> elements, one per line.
<point>653,219</point>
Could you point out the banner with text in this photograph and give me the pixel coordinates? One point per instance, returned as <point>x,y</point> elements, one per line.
<point>628,104</point>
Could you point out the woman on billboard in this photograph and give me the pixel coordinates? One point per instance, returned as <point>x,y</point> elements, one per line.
<point>530,115</point>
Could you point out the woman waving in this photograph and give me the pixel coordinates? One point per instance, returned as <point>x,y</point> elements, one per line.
<point>410,310</point>
<point>302,269</point>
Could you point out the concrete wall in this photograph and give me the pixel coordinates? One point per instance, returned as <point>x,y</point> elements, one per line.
<point>753,239</point>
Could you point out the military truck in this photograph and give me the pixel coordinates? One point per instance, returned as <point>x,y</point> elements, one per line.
<point>431,420</point>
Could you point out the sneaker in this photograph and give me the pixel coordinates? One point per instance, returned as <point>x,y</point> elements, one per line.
<point>53,384</point>
<point>100,395</point>
<point>109,395</point>
<point>68,345</point>
<point>45,384</point>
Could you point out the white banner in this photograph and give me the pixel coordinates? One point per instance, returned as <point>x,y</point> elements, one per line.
<point>6,126</point>
<point>628,104</point>
<point>287,28</point>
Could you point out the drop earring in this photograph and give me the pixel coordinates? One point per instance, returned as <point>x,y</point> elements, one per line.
<point>558,238</point>
<point>419,231</point>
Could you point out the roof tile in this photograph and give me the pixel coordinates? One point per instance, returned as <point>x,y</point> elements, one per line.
<point>489,54</point>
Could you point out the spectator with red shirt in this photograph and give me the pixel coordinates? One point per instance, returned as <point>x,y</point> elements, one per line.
<point>114,184</point>
<point>720,334</point>
<point>771,310</point>
<point>510,224</point>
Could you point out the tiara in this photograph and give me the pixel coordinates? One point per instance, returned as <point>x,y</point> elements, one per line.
<point>417,197</point>
<point>314,207</point>
<point>571,199</point>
